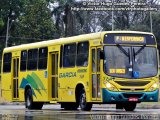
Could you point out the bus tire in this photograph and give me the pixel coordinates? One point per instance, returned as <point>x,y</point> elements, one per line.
<point>130,106</point>
<point>29,99</point>
<point>84,105</point>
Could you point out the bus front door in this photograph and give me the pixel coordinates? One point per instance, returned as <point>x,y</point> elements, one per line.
<point>95,55</point>
<point>54,75</point>
<point>15,92</point>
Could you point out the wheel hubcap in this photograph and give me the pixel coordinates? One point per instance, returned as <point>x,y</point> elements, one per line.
<point>83,100</point>
<point>28,101</point>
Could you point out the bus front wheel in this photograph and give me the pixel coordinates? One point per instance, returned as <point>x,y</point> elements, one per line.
<point>83,103</point>
<point>129,106</point>
<point>29,101</point>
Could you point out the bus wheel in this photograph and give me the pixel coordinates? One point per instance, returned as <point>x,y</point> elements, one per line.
<point>129,106</point>
<point>29,99</point>
<point>83,103</point>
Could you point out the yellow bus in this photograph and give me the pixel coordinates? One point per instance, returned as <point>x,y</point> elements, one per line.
<point>111,67</point>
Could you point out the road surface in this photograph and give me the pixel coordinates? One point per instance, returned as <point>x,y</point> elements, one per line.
<point>54,112</point>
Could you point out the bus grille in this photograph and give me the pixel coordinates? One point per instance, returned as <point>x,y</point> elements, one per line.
<point>131,83</point>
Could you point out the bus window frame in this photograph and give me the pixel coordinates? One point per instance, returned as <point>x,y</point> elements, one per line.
<point>83,54</point>
<point>46,58</point>
<point>32,69</point>
<point>23,60</point>
<point>7,62</point>
<point>70,55</point>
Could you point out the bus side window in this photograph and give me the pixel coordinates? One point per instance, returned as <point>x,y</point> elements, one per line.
<point>82,54</point>
<point>69,55</point>
<point>7,62</point>
<point>23,60</point>
<point>43,56</point>
<point>32,59</point>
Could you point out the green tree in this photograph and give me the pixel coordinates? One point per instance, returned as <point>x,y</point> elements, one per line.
<point>36,22</point>
<point>145,25</point>
<point>156,25</point>
<point>10,9</point>
<point>1,23</point>
<point>64,18</point>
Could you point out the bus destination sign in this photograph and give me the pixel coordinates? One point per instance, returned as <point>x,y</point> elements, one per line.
<point>129,39</point>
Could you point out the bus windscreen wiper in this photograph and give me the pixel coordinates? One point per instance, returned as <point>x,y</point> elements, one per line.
<point>136,53</point>
<point>123,50</point>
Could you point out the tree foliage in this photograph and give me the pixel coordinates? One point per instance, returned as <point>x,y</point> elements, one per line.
<point>29,20</point>
<point>10,9</point>
<point>35,22</point>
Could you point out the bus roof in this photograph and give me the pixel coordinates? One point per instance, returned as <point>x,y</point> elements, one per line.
<point>84,37</point>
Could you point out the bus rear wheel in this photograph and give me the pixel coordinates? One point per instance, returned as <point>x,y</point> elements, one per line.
<point>29,101</point>
<point>129,106</point>
<point>84,105</point>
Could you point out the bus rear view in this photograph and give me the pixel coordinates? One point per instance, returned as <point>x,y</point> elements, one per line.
<point>130,69</point>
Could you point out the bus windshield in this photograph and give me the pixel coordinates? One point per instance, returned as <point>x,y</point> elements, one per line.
<point>122,61</point>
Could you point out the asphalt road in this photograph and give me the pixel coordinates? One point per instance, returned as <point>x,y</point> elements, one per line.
<point>54,112</point>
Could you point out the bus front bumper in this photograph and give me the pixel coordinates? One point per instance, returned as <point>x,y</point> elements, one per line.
<point>114,97</point>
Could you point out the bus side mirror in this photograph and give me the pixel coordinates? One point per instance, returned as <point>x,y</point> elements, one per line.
<point>101,54</point>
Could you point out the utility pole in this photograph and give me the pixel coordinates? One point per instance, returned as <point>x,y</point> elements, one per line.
<point>7,32</point>
<point>112,21</point>
<point>112,16</point>
<point>151,21</point>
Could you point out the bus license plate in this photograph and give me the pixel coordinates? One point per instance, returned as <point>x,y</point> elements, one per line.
<point>133,99</point>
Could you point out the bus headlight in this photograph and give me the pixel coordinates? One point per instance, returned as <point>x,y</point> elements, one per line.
<point>110,87</point>
<point>154,87</point>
